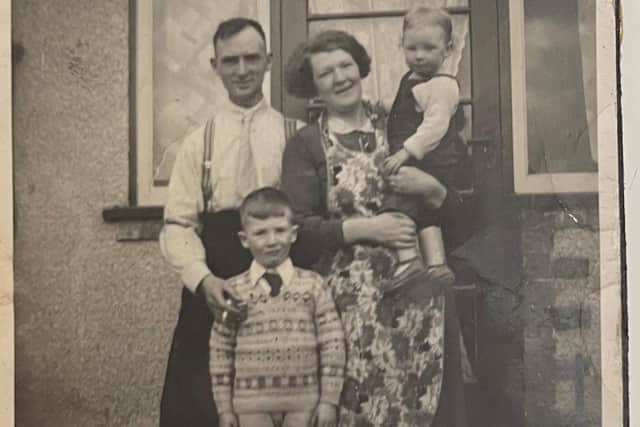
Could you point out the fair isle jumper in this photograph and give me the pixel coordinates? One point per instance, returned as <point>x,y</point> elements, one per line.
<point>287,356</point>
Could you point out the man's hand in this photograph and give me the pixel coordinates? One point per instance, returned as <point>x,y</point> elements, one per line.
<point>228,419</point>
<point>324,416</point>
<point>393,163</point>
<point>220,297</point>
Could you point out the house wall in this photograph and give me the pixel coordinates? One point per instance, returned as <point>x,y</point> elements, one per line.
<point>94,316</point>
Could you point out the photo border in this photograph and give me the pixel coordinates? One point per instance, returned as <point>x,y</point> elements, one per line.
<point>609,217</point>
<point>7,320</point>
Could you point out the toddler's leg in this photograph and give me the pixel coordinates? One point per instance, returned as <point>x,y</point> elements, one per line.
<point>434,255</point>
<point>255,420</point>
<point>432,246</point>
<point>297,419</point>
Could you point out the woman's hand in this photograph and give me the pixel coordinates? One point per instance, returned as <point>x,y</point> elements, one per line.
<point>393,230</point>
<point>410,180</point>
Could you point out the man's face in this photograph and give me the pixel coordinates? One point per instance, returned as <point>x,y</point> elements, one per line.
<point>270,239</point>
<point>241,62</point>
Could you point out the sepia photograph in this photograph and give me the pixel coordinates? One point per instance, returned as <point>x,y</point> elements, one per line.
<point>353,213</point>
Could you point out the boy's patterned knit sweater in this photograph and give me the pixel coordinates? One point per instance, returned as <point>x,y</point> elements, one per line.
<point>289,353</point>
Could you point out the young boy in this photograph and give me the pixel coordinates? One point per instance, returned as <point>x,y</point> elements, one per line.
<point>284,363</point>
<point>421,127</point>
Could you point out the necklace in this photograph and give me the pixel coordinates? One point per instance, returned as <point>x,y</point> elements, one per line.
<point>364,142</point>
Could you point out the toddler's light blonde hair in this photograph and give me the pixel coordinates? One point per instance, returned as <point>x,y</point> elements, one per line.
<point>424,15</point>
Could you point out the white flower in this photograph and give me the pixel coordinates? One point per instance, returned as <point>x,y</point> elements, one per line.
<point>393,385</point>
<point>429,400</point>
<point>410,322</point>
<point>356,368</point>
<point>376,408</point>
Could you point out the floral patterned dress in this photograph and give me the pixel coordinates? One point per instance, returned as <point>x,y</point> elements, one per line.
<point>394,343</point>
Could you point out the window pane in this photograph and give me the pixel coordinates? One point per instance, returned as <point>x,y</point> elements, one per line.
<point>467,132</point>
<point>346,6</point>
<point>186,91</point>
<point>464,69</point>
<point>560,85</point>
<point>381,37</point>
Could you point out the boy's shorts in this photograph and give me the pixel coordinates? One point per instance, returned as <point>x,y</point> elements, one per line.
<point>275,419</point>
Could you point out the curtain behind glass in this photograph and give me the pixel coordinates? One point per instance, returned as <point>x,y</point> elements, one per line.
<point>382,36</point>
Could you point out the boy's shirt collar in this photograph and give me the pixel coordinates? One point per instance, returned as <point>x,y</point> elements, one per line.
<point>286,270</point>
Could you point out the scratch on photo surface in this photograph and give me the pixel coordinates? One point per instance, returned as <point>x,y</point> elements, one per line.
<point>633,178</point>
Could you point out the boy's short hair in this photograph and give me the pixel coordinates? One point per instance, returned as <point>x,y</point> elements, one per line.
<point>263,203</point>
<point>233,26</point>
<point>424,15</point>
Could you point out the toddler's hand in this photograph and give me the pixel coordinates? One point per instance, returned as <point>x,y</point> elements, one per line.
<point>228,419</point>
<point>393,163</point>
<point>324,416</point>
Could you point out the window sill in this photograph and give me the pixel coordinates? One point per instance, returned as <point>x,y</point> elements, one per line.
<point>132,213</point>
<point>135,223</point>
<point>556,201</point>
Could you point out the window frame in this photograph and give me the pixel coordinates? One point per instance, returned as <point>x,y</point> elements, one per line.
<point>142,191</point>
<point>523,182</point>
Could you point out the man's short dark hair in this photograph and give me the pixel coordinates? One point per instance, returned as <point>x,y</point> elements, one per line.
<point>233,26</point>
<point>264,203</point>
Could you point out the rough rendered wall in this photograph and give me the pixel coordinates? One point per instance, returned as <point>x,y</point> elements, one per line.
<point>93,316</point>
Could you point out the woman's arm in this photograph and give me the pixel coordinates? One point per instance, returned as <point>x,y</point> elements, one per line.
<point>304,182</point>
<point>388,229</point>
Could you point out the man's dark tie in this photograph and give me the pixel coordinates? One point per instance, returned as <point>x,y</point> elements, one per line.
<point>275,281</point>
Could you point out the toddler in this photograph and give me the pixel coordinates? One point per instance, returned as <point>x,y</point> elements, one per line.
<point>423,127</point>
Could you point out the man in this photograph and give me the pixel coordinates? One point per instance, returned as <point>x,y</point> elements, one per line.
<point>239,150</point>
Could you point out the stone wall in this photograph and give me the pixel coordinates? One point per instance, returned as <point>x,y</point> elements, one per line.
<point>561,311</point>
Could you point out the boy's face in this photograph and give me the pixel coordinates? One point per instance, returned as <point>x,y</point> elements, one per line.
<point>425,49</point>
<point>270,239</point>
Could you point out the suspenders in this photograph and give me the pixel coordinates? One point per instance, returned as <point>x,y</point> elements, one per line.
<point>207,191</point>
<point>290,127</point>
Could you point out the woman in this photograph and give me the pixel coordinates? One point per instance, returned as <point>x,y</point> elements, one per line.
<point>401,371</point>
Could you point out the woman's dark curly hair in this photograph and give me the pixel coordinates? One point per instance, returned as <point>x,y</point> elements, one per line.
<point>298,73</point>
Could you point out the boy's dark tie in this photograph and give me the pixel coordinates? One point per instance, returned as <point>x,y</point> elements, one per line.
<point>275,281</point>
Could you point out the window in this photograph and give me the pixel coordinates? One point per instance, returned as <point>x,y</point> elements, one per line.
<point>378,26</point>
<point>174,88</point>
<point>554,103</point>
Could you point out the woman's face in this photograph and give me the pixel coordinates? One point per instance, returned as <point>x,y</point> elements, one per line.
<point>337,79</point>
